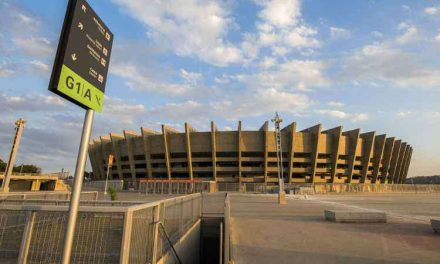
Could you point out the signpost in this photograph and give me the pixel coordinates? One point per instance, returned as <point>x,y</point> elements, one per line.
<point>80,75</point>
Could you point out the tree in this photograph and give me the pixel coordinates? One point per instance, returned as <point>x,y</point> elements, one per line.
<point>24,168</point>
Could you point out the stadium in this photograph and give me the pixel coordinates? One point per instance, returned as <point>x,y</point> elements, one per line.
<point>312,155</point>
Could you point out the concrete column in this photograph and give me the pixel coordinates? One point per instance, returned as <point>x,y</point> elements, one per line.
<point>315,132</point>
<point>394,160</point>
<point>105,140</point>
<point>379,146</point>
<point>405,174</point>
<point>188,150</point>
<point>292,130</point>
<point>146,133</point>
<point>353,138</point>
<point>128,135</point>
<point>95,162</point>
<point>265,130</point>
<point>386,159</point>
<point>114,139</point>
<point>336,134</point>
<point>368,144</point>
<point>239,146</point>
<point>401,163</point>
<point>214,151</point>
<point>167,153</point>
<point>97,148</point>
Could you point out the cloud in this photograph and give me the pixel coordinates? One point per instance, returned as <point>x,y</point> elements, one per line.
<point>432,10</point>
<point>404,113</point>
<point>282,29</point>
<point>339,33</point>
<point>138,80</point>
<point>268,62</point>
<point>335,104</point>
<point>6,70</point>
<point>280,13</point>
<point>30,103</point>
<point>377,34</point>
<point>411,34</point>
<point>290,75</point>
<point>195,28</point>
<point>357,117</point>
<point>36,47</point>
<point>381,62</point>
<point>40,66</point>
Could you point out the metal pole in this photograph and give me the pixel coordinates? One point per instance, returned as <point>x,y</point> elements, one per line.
<point>15,144</point>
<point>106,179</point>
<point>77,185</point>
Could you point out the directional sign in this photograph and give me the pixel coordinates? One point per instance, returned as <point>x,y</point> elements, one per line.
<point>82,61</point>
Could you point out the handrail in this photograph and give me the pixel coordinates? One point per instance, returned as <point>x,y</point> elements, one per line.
<point>169,242</point>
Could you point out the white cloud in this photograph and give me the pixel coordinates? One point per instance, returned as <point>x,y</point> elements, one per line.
<point>137,80</point>
<point>6,70</point>
<point>432,10</point>
<point>335,104</point>
<point>268,62</point>
<point>343,115</point>
<point>404,113</point>
<point>376,34</point>
<point>34,46</point>
<point>188,27</point>
<point>282,28</point>
<point>410,35</point>
<point>40,66</point>
<point>290,75</point>
<point>339,33</point>
<point>190,77</point>
<point>280,13</point>
<point>381,62</point>
<point>29,102</point>
<point>437,38</point>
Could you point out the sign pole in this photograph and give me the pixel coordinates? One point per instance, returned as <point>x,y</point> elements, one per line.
<point>77,186</point>
<point>110,164</point>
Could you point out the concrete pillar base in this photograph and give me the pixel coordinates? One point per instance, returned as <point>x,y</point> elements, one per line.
<point>435,223</point>
<point>282,198</point>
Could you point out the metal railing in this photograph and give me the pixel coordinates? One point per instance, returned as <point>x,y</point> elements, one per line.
<point>320,188</point>
<point>175,187</point>
<point>107,232</point>
<point>47,195</point>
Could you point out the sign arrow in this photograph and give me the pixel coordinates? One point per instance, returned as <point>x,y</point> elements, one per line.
<point>81,26</point>
<point>84,8</point>
<point>74,58</point>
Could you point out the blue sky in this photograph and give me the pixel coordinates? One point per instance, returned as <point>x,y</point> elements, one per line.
<point>368,64</point>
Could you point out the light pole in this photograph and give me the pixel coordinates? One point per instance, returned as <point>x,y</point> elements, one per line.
<point>110,164</point>
<point>15,144</point>
<point>281,194</point>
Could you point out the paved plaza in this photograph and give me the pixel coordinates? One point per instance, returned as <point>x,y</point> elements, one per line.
<point>265,232</point>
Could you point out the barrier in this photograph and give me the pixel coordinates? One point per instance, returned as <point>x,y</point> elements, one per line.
<point>175,186</point>
<point>107,232</point>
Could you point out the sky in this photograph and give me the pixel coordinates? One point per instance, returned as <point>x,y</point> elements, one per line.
<point>366,64</point>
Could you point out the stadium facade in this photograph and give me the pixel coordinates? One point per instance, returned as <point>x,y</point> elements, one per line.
<point>311,155</point>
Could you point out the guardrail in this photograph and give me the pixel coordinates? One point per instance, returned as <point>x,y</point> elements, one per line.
<point>107,232</point>
<point>175,187</point>
<point>47,195</point>
<point>320,188</point>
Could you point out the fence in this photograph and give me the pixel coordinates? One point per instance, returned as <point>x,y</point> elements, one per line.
<point>107,232</point>
<point>116,184</point>
<point>49,195</point>
<point>175,187</point>
<point>310,188</point>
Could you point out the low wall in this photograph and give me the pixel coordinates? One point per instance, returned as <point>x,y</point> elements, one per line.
<point>187,247</point>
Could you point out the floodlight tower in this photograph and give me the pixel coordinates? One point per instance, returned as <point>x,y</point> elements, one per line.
<point>15,144</point>
<point>281,194</point>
